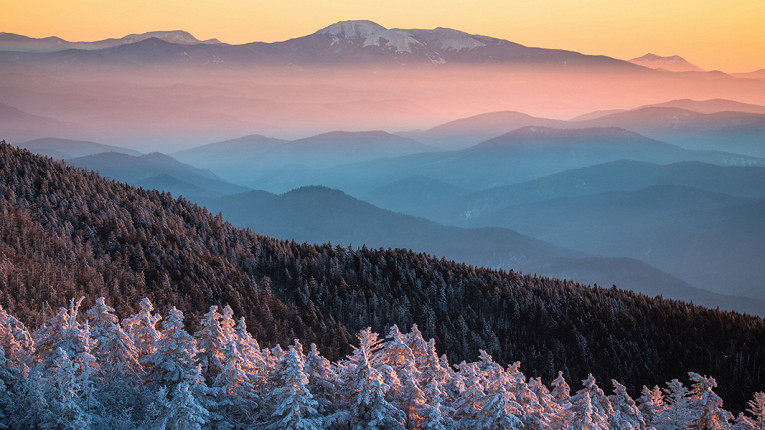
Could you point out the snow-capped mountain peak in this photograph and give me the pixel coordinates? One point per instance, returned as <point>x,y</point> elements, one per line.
<point>371,34</point>
<point>455,40</point>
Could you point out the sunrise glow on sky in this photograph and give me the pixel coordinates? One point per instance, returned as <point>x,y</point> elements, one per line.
<point>726,35</point>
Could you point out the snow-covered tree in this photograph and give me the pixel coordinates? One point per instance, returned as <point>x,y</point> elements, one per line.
<point>322,381</point>
<point>369,408</point>
<point>743,423</point>
<point>142,328</point>
<point>211,343</point>
<point>115,351</point>
<point>626,415</point>
<point>676,413</point>
<point>172,362</point>
<point>69,401</point>
<point>292,403</point>
<point>706,407</point>
<point>561,391</point>
<point>407,394</point>
<point>757,409</point>
<point>15,340</point>
<point>500,411</point>
<point>471,399</point>
<point>65,332</point>
<point>552,416</point>
<point>233,391</point>
<point>183,411</point>
<point>651,405</point>
<point>590,408</point>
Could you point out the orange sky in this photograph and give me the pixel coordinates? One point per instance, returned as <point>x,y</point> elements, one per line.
<point>726,35</point>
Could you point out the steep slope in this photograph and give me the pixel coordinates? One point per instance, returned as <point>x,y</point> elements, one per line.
<point>65,232</point>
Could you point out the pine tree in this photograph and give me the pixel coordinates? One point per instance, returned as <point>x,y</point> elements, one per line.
<point>211,344</point>
<point>626,414</point>
<point>142,328</point>
<point>172,362</point>
<point>552,416</point>
<point>115,351</point>
<point>68,401</point>
<point>322,381</point>
<point>677,413</point>
<point>757,409</point>
<point>471,399</point>
<point>500,411</point>
<point>184,411</point>
<point>294,407</point>
<point>590,408</point>
<point>15,340</point>
<point>706,406</point>
<point>407,394</point>
<point>651,405</point>
<point>743,423</point>
<point>368,407</point>
<point>234,393</point>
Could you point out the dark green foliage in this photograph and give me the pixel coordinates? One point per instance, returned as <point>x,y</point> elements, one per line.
<point>65,233</point>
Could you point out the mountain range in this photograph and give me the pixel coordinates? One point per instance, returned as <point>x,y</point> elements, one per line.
<point>340,43</point>
<point>16,42</point>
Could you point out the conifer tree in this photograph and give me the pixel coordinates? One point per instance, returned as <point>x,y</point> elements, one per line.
<point>184,411</point>
<point>471,399</point>
<point>501,411</point>
<point>294,407</point>
<point>706,406</point>
<point>15,340</point>
<point>407,394</point>
<point>651,405</point>
<point>757,409</point>
<point>368,407</point>
<point>234,393</point>
<point>743,422</point>
<point>172,362</point>
<point>211,343</point>
<point>590,408</point>
<point>626,415</point>
<point>322,381</point>
<point>552,415</point>
<point>70,402</point>
<point>142,328</point>
<point>676,413</point>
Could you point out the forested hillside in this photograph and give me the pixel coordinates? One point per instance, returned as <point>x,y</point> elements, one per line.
<point>65,232</point>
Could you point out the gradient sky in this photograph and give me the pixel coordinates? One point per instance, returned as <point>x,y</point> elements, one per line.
<point>726,35</point>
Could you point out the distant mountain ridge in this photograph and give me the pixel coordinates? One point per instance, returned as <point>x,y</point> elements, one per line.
<point>674,63</point>
<point>15,42</point>
<point>344,42</point>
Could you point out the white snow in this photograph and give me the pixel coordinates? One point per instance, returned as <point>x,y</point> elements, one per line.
<point>371,34</point>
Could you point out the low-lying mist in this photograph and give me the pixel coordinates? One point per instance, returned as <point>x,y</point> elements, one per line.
<point>170,107</point>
